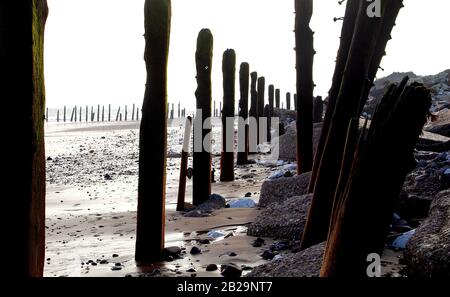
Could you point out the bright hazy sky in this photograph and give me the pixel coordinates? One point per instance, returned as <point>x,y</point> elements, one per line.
<point>94,48</point>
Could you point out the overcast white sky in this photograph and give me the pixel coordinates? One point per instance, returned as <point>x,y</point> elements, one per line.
<point>94,48</point>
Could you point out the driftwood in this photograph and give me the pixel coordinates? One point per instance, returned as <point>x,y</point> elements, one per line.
<point>153,134</point>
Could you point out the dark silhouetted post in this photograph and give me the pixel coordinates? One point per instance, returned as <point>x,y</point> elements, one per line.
<point>288,101</point>
<point>87,113</point>
<point>229,77</point>
<point>295,102</point>
<point>64,114</point>
<point>57,116</point>
<point>81,111</point>
<point>75,114</point>
<point>184,164</point>
<point>305,85</point>
<point>277,98</point>
<point>103,113</point>
<point>260,110</point>
<point>153,132</point>
<point>71,116</point>
<point>98,113</point>
<point>270,111</point>
<point>132,113</point>
<point>244,75</point>
<point>253,113</point>
<point>109,112</point>
<point>92,114</point>
<point>118,113</point>
<point>202,148</point>
<point>317,109</point>
<point>126,113</point>
<point>137,114</point>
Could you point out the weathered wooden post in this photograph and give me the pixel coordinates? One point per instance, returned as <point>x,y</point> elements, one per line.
<point>202,138</point>
<point>92,114</point>
<point>87,113</point>
<point>317,109</point>
<point>118,113</point>
<point>153,132</point>
<point>288,101</point>
<point>305,86</point>
<point>244,73</point>
<point>260,109</point>
<point>132,113</point>
<point>184,164</point>
<point>57,116</point>
<point>172,111</point>
<point>103,113</point>
<point>22,59</point>
<point>270,112</point>
<point>229,77</point>
<point>214,109</point>
<point>253,112</point>
<point>295,102</point>
<point>75,114</point>
<point>137,114</point>
<point>109,112</point>
<point>126,113</point>
<point>347,32</point>
<point>80,113</point>
<point>98,113</point>
<point>71,116</point>
<point>277,98</point>
<point>353,82</point>
<point>64,114</point>
<point>220,110</point>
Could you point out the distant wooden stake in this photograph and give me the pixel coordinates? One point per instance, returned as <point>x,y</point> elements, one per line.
<point>109,112</point>
<point>184,164</point>
<point>64,114</point>
<point>253,112</point>
<point>57,116</point>
<point>277,98</point>
<point>98,113</point>
<point>132,114</point>
<point>202,155</point>
<point>46,114</point>
<point>153,134</point>
<point>103,113</point>
<point>118,113</point>
<point>227,156</point>
<point>261,92</point>
<point>288,101</point>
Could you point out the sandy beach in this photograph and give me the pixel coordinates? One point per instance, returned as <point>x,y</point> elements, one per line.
<point>92,174</point>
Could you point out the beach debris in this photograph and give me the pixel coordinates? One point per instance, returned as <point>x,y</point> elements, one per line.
<point>216,234</point>
<point>268,255</point>
<point>400,242</point>
<point>230,270</point>
<point>258,242</point>
<point>195,250</point>
<point>211,267</point>
<point>248,194</point>
<point>191,270</point>
<point>242,203</point>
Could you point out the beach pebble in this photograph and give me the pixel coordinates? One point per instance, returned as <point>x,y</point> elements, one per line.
<point>107,177</point>
<point>195,250</point>
<point>211,267</point>
<point>115,255</point>
<point>267,255</point>
<point>258,242</point>
<point>232,254</point>
<point>248,194</point>
<point>276,174</point>
<point>116,268</point>
<point>191,270</point>
<point>171,251</point>
<point>230,270</point>
<point>277,257</point>
<point>204,241</point>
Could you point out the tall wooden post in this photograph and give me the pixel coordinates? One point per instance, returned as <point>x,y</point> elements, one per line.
<point>103,113</point>
<point>22,26</point>
<point>80,113</point>
<point>270,112</point>
<point>317,109</point>
<point>132,113</point>
<point>305,85</point>
<point>184,164</point>
<point>87,113</point>
<point>126,113</point>
<point>277,99</point>
<point>347,31</point>
<point>253,113</point>
<point>109,112</point>
<point>229,77</point>
<point>75,114</point>
<point>118,113</point>
<point>153,132</point>
<point>288,101</point>
<point>98,113</point>
<point>244,72</point>
<point>353,82</point>
<point>57,116</point>
<point>92,113</point>
<point>202,143</point>
<point>64,114</point>
<point>260,110</point>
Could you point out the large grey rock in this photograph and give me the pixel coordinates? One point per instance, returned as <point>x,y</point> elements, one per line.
<point>306,263</point>
<point>278,190</point>
<point>288,141</point>
<point>284,220</point>
<point>427,253</point>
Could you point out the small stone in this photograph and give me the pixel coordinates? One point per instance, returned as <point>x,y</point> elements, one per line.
<point>172,251</point>
<point>268,255</point>
<point>232,254</point>
<point>211,267</point>
<point>195,250</point>
<point>191,270</point>
<point>116,268</point>
<point>115,255</point>
<point>204,241</point>
<point>248,195</point>
<point>107,177</point>
<point>103,262</point>
<point>118,264</point>
<point>49,159</point>
<point>230,270</point>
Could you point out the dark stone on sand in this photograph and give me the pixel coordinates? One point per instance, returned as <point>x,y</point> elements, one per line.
<point>107,177</point>
<point>230,270</point>
<point>258,242</point>
<point>248,194</point>
<point>171,251</point>
<point>214,202</point>
<point>49,159</point>
<point>268,255</point>
<point>118,264</point>
<point>115,255</point>
<point>427,253</point>
<point>103,262</point>
<point>191,270</point>
<point>195,250</point>
<point>278,190</point>
<point>204,241</point>
<point>306,263</point>
<point>116,268</point>
<point>211,267</point>
<point>190,172</point>
<point>232,254</point>
<point>284,220</point>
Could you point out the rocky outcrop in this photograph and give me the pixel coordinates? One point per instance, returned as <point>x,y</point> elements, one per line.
<point>427,253</point>
<point>285,220</point>
<point>288,141</point>
<point>278,190</point>
<point>306,263</point>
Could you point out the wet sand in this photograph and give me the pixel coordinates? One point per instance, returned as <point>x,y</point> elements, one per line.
<point>92,176</point>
